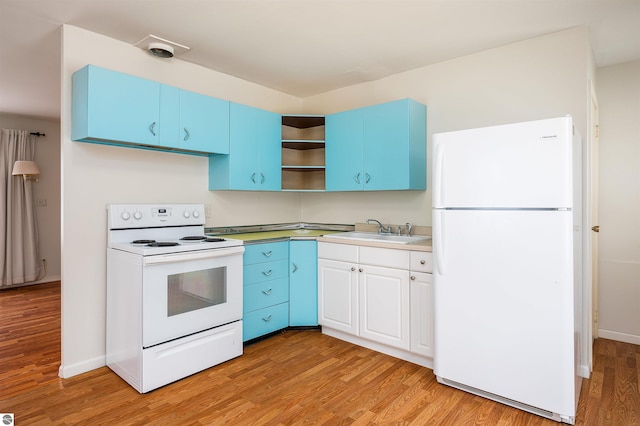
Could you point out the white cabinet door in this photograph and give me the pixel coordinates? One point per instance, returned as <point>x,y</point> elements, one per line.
<point>338,295</point>
<point>421,293</point>
<point>384,305</point>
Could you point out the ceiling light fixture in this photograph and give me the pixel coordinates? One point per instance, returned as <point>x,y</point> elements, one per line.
<point>161,50</point>
<point>160,47</point>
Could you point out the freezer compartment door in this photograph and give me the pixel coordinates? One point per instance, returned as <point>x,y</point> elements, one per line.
<point>517,165</point>
<point>504,305</point>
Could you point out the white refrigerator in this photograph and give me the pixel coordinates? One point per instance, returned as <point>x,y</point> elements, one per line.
<point>507,248</point>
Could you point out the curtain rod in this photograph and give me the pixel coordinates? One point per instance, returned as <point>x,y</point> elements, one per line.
<point>37,134</point>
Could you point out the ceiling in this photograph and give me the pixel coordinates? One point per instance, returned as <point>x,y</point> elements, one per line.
<point>300,47</point>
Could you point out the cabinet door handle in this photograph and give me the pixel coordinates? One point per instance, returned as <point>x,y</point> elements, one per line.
<point>295,267</point>
<point>261,177</point>
<point>187,135</point>
<point>360,270</point>
<point>267,292</point>
<point>152,128</point>
<point>413,277</point>
<point>422,262</point>
<point>367,178</point>
<point>267,273</point>
<point>253,178</point>
<point>357,178</point>
<point>353,268</point>
<point>267,319</point>
<point>267,253</point>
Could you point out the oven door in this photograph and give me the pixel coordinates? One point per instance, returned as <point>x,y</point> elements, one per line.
<point>185,293</point>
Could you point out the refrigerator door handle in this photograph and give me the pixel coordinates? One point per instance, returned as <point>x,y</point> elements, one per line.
<point>438,225</point>
<point>437,188</point>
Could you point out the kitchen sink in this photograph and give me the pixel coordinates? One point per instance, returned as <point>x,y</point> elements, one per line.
<point>373,237</point>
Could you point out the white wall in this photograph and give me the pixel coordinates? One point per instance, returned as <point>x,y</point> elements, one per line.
<point>618,89</point>
<point>96,175</point>
<point>48,188</point>
<point>540,78</point>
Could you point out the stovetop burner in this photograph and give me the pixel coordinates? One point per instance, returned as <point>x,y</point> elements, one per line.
<point>163,244</point>
<point>193,238</point>
<point>213,240</point>
<point>143,241</point>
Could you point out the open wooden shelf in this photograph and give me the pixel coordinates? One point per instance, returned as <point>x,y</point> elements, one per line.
<point>303,153</point>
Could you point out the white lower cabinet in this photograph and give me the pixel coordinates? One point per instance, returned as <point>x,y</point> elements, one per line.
<point>384,305</point>
<point>338,295</point>
<point>421,295</point>
<point>377,297</point>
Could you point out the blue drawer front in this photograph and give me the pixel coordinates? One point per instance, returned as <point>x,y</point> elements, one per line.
<point>265,321</point>
<point>261,295</point>
<point>258,253</point>
<point>261,272</point>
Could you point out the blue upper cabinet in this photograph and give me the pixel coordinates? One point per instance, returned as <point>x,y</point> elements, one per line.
<point>193,122</point>
<point>377,148</point>
<point>109,106</point>
<point>344,148</point>
<point>115,108</point>
<point>254,158</point>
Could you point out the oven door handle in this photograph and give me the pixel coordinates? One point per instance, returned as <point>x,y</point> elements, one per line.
<point>193,255</point>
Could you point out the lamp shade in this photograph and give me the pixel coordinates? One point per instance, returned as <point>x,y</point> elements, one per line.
<point>29,168</point>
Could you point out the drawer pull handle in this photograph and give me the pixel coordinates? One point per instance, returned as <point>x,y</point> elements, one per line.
<point>266,273</point>
<point>267,253</point>
<point>267,292</point>
<point>422,262</point>
<point>267,319</point>
<point>295,267</point>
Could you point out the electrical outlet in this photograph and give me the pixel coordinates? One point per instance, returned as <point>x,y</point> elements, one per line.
<point>42,202</point>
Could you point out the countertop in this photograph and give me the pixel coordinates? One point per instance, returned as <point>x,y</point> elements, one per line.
<point>303,231</point>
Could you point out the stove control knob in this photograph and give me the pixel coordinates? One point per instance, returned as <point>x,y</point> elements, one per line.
<point>137,215</point>
<point>196,214</point>
<point>186,214</point>
<point>125,215</point>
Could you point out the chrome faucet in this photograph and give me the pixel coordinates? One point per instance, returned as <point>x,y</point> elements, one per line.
<point>381,228</point>
<point>409,228</point>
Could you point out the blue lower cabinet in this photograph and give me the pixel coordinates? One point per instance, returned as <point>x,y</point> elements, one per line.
<point>262,295</point>
<point>265,321</point>
<point>303,283</point>
<point>265,288</point>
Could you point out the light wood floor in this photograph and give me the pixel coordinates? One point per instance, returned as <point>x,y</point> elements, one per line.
<point>295,378</point>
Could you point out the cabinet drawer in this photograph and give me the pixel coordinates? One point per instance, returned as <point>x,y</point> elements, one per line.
<point>261,272</point>
<point>421,261</point>
<point>389,258</point>
<point>258,253</point>
<point>264,321</point>
<point>261,295</point>
<point>341,252</point>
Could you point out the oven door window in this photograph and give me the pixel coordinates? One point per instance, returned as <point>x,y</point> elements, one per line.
<point>195,290</point>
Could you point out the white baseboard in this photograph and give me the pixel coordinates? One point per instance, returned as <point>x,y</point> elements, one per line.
<point>620,337</point>
<point>71,370</point>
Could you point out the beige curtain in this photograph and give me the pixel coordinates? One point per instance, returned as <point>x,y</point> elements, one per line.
<point>19,249</point>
